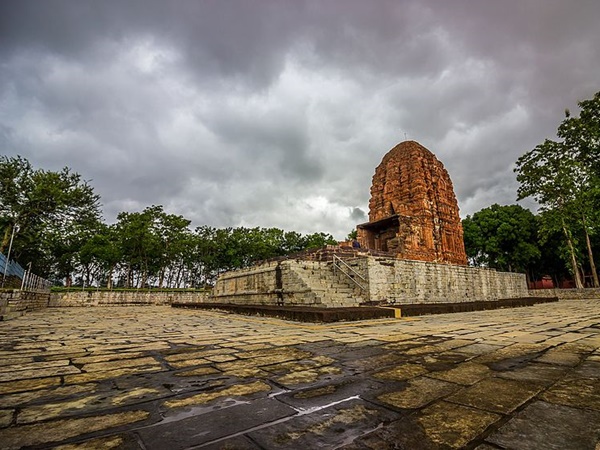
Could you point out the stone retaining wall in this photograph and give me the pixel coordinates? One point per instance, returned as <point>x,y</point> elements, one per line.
<point>271,283</point>
<point>415,282</point>
<point>388,280</point>
<point>123,298</point>
<point>15,303</point>
<point>566,294</point>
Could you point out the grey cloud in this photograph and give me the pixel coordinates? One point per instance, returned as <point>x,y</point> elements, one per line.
<point>276,113</point>
<point>358,214</point>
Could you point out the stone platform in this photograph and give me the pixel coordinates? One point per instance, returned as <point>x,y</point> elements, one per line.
<point>158,377</point>
<point>363,279</point>
<point>299,314</point>
<point>327,315</point>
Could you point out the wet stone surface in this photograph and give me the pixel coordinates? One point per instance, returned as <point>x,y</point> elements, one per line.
<point>155,377</point>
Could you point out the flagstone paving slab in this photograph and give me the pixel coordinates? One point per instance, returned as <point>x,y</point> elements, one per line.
<point>28,385</point>
<point>467,373</point>
<point>496,395</point>
<point>214,424</point>
<point>157,377</point>
<point>6,417</point>
<point>56,431</point>
<point>418,393</point>
<point>579,392</point>
<point>324,428</point>
<point>454,425</point>
<point>545,426</point>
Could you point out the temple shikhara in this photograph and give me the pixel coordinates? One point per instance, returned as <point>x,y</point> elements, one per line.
<point>413,211</point>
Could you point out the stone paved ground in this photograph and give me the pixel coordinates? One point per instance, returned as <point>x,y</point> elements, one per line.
<point>162,378</point>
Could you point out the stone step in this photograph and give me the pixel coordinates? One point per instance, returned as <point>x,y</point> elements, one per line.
<point>329,288</point>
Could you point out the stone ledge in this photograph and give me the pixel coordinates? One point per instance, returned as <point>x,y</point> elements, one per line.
<point>443,308</point>
<point>299,314</point>
<point>317,314</point>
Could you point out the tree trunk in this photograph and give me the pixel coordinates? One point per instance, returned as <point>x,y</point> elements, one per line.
<point>590,254</point>
<point>576,274</point>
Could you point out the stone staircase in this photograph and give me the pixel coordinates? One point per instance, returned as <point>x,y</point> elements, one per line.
<point>326,288</point>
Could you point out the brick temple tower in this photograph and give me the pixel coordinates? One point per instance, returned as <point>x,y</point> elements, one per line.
<point>413,211</point>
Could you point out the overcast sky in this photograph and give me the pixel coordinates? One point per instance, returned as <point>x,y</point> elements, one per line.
<point>276,113</point>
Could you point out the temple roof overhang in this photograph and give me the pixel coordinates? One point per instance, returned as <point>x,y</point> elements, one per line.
<point>390,221</point>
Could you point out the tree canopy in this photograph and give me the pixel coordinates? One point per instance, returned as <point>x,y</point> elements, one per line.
<point>44,211</point>
<point>502,237</point>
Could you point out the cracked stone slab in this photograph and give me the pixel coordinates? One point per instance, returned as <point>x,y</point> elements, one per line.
<point>335,391</point>
<point>538,373</point>
<point>546,426</point>
<point>28,385</point>
<point>325,428</point>
<point>578,392</point>
<point>467,373</point>
<point>454,426</point>
<point>60,430</point>
<point>37,373</point>
<point>402,434</point>
<point>560,357</point>
<point>88,404</point>
<point>304,377</point>
<point>230,391</point>
<point>47,395</point>
<point>512,352</point>
<point>401,373</point>
<point>186,429</point>
<point>418,393</point>
<point>588,369</point>
<point>33,366</point>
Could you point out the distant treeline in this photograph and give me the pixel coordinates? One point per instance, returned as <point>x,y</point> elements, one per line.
<point>51,222</point>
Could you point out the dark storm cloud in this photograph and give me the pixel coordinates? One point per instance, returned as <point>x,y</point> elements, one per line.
<point>276,113</point>
<point>357,214</point>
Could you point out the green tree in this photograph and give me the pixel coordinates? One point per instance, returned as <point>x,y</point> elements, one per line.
<point>502,237</point>
<point>140,245</point>
<point>546,174</point>
<point>555,257</point>
<point>102,252</point>
<point>583,133</point>
<point>37,206</point>
<point>316,240</point>
<point>563,177</point>
<point>581,136</point>
<point>173,235</point>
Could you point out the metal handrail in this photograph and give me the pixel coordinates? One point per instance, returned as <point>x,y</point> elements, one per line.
<point>34,283</point>
<point>337,260</point>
